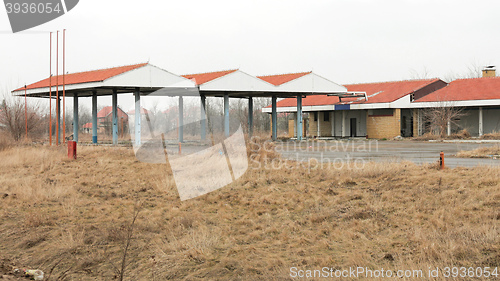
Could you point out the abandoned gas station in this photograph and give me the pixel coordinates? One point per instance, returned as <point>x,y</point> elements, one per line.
<point>401,108</point>
<point>146,79</point>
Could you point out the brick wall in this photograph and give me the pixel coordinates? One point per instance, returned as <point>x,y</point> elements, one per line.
<point>325,127</point>
<point>379,127</point>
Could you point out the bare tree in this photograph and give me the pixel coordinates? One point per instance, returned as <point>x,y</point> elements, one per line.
<point>442,118</point>
<point>13,118</point>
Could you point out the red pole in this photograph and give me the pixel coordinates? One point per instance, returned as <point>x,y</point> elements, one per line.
<point>26,111</point>
<point>57,89</point>
<point>50,93</point>
<point>441,160</point>
<point>64,88</point>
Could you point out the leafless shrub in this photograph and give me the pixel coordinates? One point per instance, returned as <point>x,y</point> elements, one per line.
<point>13,113</point>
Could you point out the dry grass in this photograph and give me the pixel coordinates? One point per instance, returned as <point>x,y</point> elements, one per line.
<point>72,216</point>
<point>481,152</point>
<point>491,136</point>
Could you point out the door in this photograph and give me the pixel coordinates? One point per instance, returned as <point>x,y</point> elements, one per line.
<point>353,127</point>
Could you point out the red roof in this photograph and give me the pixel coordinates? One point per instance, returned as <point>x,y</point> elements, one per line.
<point>202,78</point>
<point>466,89</point>
<point>280,79</point>
<point>376,92</point>
<point>87,126</point>
<point>105,111</point>
<point>83,77</point>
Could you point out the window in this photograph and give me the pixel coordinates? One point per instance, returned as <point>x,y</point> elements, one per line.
<point>326,116</point>
<point>315,116</point>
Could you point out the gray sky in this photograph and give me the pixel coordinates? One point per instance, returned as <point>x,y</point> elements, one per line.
<point>346,41</point>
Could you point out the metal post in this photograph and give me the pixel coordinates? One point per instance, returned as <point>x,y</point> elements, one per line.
<point>343,124</point>
<point>332,119</point>
<point>58,127</point>
<point>181,119</point>
<point>114,102</point>
<point>226,115</point>
<point>299,117</point>
<point>317,125</point>
<point>137,116</point>
<point>250,116</point>
<point>94,117</point>
<point>203,121</point>
<point>75,117</point>
<point>481,128</point>
<point>274,119</point>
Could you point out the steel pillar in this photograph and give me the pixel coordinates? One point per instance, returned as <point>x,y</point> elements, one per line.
<point>94,117</point>
<point>226,115</point>
<point>299,117</point>
<point>75,117</point>
<point>250,117</point>
<point>274,119</point>
<point>481,126</point>
<point>181,119</point>
<point>137,116</point>
<point>114,102</point>
<point>203,117</point>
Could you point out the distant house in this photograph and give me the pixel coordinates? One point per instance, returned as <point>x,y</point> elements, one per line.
<point>105,120</point>
<point>87,128</point>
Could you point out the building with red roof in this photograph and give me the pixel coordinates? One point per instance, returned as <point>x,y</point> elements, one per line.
<point>375,110</point>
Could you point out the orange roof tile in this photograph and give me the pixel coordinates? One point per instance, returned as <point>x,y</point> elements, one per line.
<point>143,111</point>
<point>466,89</point>
<point>105,111</point>
<point>83,77</point>
<point>202,78</point>
<point>376,92</point>
<point>280,79</point>
<point>87,126</point>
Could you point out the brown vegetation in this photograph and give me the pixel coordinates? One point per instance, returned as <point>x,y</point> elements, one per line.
<point>481,152</point>
<point>72,218</point>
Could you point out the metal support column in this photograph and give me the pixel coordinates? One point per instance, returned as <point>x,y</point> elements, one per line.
<point>274,119</point>
<point>114,102</point>
<point>226,115</point>
<point>75,117</point>
<point>137,116</point>
<point>58,140</point>
<point>181,119</point>
<point>343,124</point>
<point>299,117</point>
<point>318,134</point>
<point>203,120</point>
<point>250,117</point>
<point>94,117</point>
<point>481,126</point>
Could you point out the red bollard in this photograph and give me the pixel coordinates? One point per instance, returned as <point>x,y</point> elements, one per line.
<point>71,149</point>
<point>180,148</point>
<point>441,160</point>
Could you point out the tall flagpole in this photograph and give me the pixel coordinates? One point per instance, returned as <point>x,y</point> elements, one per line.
<point>50,93</point>
<point>57,90</point>
<point>64,88</point>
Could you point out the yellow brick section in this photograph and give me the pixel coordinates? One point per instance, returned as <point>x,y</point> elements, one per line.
<point>325,127</point>
<point>380,127</point>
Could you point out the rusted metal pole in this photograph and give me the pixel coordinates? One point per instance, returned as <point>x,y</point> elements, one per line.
<point>64,87</point>
<point>50,93</point>
<point>26,111</point>
<point>58,119</point>
<point>441,160</point>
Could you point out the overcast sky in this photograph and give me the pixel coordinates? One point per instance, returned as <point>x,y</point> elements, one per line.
<point>346,41</point>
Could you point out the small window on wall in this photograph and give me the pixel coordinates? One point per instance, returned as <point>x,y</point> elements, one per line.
<point>380,112</point>
<point>326,116</point>
<point>316,116</point>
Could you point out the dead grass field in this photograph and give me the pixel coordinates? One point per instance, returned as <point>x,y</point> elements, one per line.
<point>482,152</point>
<point>70,218</point>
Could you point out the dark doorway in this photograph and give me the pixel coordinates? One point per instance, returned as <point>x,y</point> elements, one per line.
<point>353,127</point>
